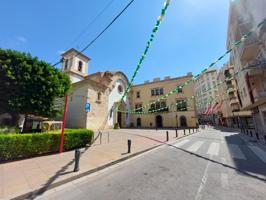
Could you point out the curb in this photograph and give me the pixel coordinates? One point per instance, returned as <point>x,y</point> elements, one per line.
<point>41,190</point>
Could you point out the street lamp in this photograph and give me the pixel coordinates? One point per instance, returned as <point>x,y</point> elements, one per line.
<point>176,121</point>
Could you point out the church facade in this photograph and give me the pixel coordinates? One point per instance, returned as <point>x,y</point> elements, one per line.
<point>101,90</point>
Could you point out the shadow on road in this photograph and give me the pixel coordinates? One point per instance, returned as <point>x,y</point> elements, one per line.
<point>243,167</point>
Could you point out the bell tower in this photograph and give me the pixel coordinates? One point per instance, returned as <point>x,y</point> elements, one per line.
<point>75,64</point>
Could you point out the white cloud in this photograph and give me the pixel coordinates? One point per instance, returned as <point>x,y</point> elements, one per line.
<point>21,39</point>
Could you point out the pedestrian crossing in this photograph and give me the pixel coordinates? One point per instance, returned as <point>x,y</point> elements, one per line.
<point>215,149</point>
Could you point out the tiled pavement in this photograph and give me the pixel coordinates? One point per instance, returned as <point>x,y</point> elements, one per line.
<point>20,177</point>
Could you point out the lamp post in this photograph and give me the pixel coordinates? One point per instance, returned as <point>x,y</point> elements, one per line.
<point>176,124</point>
<point>63,125</point>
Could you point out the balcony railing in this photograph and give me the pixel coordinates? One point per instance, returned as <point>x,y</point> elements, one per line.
<point>256,67</point>
<point>165,109</point>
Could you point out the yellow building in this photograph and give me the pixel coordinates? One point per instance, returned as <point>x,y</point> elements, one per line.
<point>230,113</point>
<point>181,115</point>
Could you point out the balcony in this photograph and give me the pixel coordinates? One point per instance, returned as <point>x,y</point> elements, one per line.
<point>248,50</point>
<point>165,109</point>
<point>233,100</point>
<point>256,67</point>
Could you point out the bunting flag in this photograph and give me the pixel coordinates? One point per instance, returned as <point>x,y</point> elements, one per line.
<point>213,108</point>
<point>219,106</point>
<point>207,110</point>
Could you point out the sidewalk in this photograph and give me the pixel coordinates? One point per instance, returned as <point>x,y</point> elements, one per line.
<point>20,177</point>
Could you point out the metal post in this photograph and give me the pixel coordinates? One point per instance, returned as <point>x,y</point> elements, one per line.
<point>63,125</point>
<point>184,131</point>
<point>167,136</point>
<point>251,134</point>
<point>176,133</point>
<point>128,146</point>
<point>264,138</point>
<point>77,157</point>
<point>257,135</point>
<point>189,130</point>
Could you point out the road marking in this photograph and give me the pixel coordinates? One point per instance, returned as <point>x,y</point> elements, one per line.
<point>203,181</point>
<point>235,152</point>
<point>260,153</point>
<point>224,180</point>
<point>214,149</point>
<point>181,143</point>
<point>195,147</point>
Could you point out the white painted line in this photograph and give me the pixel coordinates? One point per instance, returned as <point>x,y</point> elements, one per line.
<point>214,149</point>
<point>195,147</point>
<point>235,152</point>
<point>259,152</point>
<point>224,180</point>
<point>203,181</point>
<point>181,143</point>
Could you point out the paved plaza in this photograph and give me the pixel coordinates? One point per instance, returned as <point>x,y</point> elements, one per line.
<point>40,173</point>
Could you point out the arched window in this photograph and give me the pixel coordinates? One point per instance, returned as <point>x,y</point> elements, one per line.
<point>80,66</point>
<point>120,89</point>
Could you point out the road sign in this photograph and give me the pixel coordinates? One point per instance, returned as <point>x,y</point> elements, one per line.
<point>87,107</point>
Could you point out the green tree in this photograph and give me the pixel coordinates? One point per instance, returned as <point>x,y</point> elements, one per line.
<point>28,85</point>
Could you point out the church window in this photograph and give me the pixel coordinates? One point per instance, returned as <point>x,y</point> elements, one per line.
<point>99,96</point>
<point>80,66</point>
<point>120,89</point>
<point>66,64</point>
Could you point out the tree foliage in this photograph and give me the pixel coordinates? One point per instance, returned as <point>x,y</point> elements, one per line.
<point>28,85</point>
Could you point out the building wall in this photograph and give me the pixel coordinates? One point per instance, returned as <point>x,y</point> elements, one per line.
<point>243,16</point>
<point>169,118</point>
<point>202,83</point>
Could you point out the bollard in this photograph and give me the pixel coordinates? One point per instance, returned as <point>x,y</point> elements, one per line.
<point>251,134</point>
<point>176,133</point>
<point>184,131</point>
<point>100,137</point>
<point>77,157</point>
<point>264,138</point>
<point>257,135</point>
<point>189,130</point>
<point>128,146</point>
<point>167,136</point>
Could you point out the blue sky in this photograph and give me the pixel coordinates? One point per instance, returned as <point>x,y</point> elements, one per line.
<point>192,35</point>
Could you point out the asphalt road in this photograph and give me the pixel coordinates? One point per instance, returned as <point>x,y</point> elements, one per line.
<point>209,165</point>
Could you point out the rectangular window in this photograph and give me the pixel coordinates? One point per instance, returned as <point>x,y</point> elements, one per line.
<point>163,104</point>
<point>138,94</point>
<point>152,92</point>
<point>181,105</point>
<point>157,92</point>
<point>138,107</point>
<point>161,91</point>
